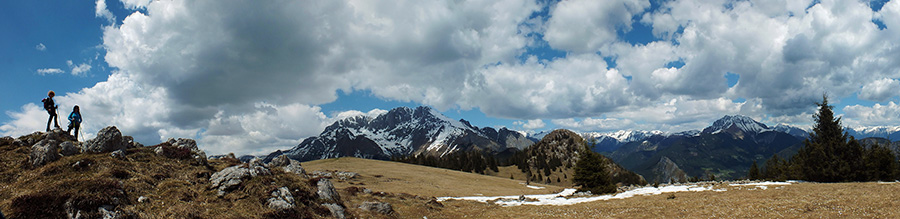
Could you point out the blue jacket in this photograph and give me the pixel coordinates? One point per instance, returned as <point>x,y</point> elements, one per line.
<point>75,117</point>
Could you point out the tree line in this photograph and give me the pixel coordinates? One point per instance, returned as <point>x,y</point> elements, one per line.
<point>831,155</point>
<point>466,161</point>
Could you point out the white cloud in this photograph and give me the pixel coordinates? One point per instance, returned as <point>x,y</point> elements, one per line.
<point>592,124</point>
<point>101,11</point>
<point>40,47</point>
<point>531,124</point>
<point>580,85</point>
<point>880,90</point>
<point>588,25</point>
<point>50,71</point>
<point>876,115</point>
<point>80,69</point>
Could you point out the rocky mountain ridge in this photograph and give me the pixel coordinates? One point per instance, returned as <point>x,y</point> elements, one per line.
<point>402,132</point>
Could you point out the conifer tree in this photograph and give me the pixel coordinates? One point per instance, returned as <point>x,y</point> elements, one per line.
<point>753,174</point>
<point>828,155</point>
<point>591,175</point>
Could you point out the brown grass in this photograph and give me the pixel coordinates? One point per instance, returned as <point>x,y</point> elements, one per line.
<point>395,177</point>
<point>176,188</point>
<point>804,200</point>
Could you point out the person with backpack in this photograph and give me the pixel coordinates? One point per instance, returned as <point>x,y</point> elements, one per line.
<point>50,106</point>
<point>74,121</point>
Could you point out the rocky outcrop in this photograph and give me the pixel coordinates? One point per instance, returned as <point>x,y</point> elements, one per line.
<point>45,151</point>
<point>70,148</point>
<point>287,164</point>
<point>181,148</point>
<point>378,207</point>
<point>666,171</point>
<point>231,178</point>
<point>109,139</point>
<point>336,210</point>
<point>281,199</point>
<point>118,154</point>
<point>327,192</point>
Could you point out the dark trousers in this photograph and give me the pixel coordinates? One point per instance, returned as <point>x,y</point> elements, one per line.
<point>53,117</point>
<point>76,126</point>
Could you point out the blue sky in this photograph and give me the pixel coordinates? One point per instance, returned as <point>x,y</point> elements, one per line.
<point>253,77</point>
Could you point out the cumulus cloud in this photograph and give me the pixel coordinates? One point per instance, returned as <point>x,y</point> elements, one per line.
<point>40,47</point>
<point>80,69</point>
<point>50,71</point>
<point>876,115</point>
<point>880,90</point>
<point>587,25</point>
<point>531,124</point>
<point>101,11</point>
<point>580,85</point>
<point>248,75</point>
<point>598,124</point>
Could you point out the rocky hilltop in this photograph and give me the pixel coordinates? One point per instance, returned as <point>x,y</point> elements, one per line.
<point>557,153</point>
<point>52,175</point>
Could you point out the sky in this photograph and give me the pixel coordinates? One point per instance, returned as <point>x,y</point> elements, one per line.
<point>251,77</point>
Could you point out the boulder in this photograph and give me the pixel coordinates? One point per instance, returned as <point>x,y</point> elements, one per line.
<point>130,143</point>
<point>281,199</point>
<point>287,164</point>
<point>336,210</point>
<point>327,192</point>
<point>231,178</point>
<point>182,148</point>
<point>118,154</point>
<point>109,139</point>
<point>43,152</point>
<point>70,148</point>
<point>379,207</point>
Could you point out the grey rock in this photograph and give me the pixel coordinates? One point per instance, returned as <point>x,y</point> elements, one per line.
<point>336,210</point>
<point>143,199</point>
<point>367,191</point>
<point>327,192</point>
<point>58,135</point>
<point>231,178</point>
<point>70,148</point>
<point>45,151</point>
<point>281,199</point>
<point>379,207</point>
<point>109,212</point>
<point>109,139</point>
<point>346,175</point>
<point>118,154</point>
<point>287,164</point>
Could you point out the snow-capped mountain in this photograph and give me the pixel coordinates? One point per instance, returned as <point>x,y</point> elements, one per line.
<point>791,130</point>
<point>623,135</point>
<point>889,132</point>
<point>400,132</point>
<point>733,123</point>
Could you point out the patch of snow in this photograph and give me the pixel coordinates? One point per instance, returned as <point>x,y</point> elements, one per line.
<point>534,187</point>
<point>766,183</point>
<point>561,198</point>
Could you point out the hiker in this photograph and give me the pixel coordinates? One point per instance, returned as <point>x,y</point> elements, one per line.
<point>50,106</point>
<point>74,121</point>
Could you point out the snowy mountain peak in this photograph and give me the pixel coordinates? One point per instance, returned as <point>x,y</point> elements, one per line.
<point>739,122</point>
<point>402,131</point>
<point>623,135</point>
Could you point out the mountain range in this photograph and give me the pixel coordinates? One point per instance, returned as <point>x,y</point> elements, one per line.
<point>724,149</point>
<point>403,132</point>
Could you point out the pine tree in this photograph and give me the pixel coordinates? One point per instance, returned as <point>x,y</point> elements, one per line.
<point>775,169</point>
<point>828,155</point>
<point>753,174</point>
<point>591,175</point>
<point>881,164</point>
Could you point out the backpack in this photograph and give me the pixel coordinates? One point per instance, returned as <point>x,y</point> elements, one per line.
<point>48,104</point>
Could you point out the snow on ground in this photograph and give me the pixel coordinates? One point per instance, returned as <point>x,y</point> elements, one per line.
<point>562,199</point>
<point>762,185</point>
<point>534,187</point>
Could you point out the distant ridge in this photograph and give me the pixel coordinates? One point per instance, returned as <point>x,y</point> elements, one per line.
<point>402,132</point>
